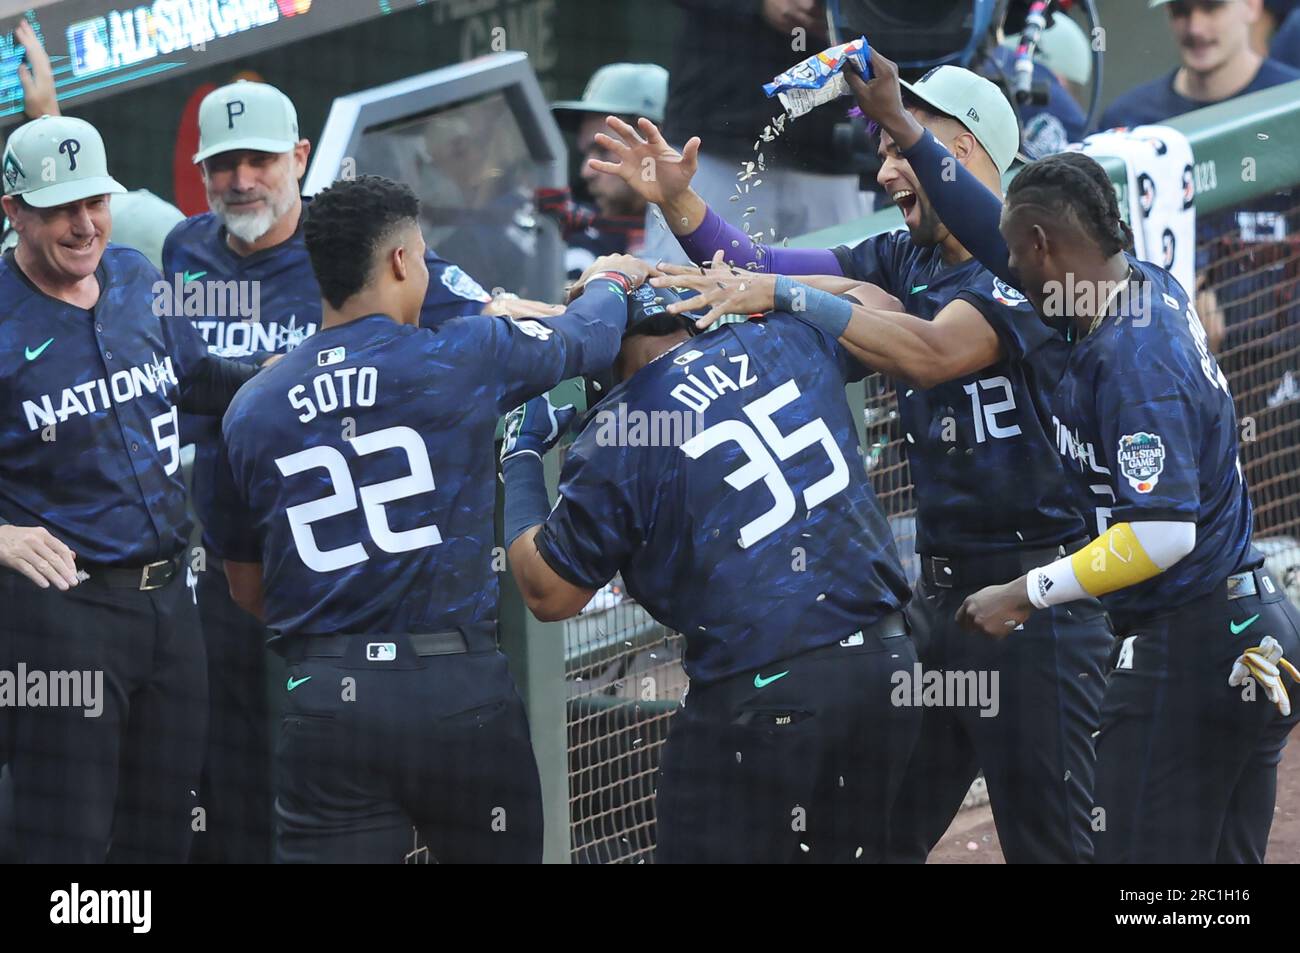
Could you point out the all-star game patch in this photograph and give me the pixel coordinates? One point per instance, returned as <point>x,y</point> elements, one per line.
<point>1141,460</point>
<point>1006,294</point>
<point>459,283</point>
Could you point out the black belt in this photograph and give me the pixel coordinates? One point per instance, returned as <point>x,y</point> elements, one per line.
<point>989,569</point>
<point>381,647</point>
<point>149,576</point>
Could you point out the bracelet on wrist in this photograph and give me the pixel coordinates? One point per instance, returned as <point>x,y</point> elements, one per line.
<point>619,278</point>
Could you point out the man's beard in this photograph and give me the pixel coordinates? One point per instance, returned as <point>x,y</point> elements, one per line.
<point>248,227</point>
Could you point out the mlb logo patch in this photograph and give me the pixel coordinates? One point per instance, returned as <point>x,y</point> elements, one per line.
<point>1007,295</point>
<point>1141,460</point>
<point>334,355</point>
<point>381,651</point>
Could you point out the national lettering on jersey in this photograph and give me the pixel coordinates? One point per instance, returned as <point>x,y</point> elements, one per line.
<point>359,469</point>
<point>249,307</point>
<point>91,448</point>
<point>769,485</point>
<point>981,450</point>
<point>1157,441</point>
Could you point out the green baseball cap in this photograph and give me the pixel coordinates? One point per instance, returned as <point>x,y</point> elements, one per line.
<point>1063,48</point>
<point>620,89</point>
<point>55,160</point>
<point>977,104</point>
<point>246,115</point>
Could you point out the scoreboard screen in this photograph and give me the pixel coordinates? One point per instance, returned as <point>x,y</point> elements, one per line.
<point>102,47</point>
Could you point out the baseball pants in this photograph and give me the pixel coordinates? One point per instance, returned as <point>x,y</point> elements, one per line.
<point>235,790</point>
<point>1036,751</point>
<point>798,763</point>
<point>121,766</point>
<point>370,749</point>
<point>1186,764</point>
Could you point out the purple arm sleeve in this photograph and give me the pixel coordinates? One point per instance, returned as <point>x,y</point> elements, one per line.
<point>965,205</point>
<point>737,248</point>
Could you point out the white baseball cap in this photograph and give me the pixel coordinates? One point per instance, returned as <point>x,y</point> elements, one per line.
<point>54,160</point>
<point>245,115</point>
<point>977,104</point>
<point>621,89</point>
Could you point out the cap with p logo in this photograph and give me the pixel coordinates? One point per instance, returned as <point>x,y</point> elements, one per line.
<point>246,115</point>
<point>55,160</point>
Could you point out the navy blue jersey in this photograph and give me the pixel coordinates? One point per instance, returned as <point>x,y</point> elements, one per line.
<point>741,516</point>
<point>360,469</point>
<point>1147,429</point>
<point>981,450</point>
<point>1286,41</point>
<point>1156,101</point>
<point>248,307</point>
<point>90,449</point>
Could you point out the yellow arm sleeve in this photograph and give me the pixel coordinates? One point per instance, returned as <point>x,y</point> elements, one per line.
<point>1114,560</point>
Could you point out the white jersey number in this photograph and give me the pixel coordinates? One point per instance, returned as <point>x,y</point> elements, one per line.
<point>761,465</point>
<point>985,414</point>
<point>168,443</point>
<point>373,498</point>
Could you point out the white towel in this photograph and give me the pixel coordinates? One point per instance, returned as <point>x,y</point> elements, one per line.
<point>1161,195</point>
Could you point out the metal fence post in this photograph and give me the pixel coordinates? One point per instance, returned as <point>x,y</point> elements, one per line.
<point>536,653</point>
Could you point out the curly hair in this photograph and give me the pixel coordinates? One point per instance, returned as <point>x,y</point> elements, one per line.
<point>1075,184</point>
<point>347,223</point>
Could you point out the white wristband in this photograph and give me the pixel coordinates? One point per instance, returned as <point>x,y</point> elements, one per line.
<point>1053,584</point>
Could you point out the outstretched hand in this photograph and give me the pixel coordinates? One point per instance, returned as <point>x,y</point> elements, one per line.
<point>723,289</point>
<point>646,162</point>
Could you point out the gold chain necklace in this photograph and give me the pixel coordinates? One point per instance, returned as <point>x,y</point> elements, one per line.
<point>1102,314</point>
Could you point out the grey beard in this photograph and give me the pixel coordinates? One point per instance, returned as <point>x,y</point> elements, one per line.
<point>251,227</point>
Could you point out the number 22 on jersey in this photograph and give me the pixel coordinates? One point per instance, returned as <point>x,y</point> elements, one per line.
<point>373,497</point>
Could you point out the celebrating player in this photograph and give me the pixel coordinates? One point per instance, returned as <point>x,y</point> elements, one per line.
<point>248,258</point>
<point>359,487</point>
<point>760,540</point>
<point>991,493</point>
<point>89,471</point>
<point>1186,762</point>
<point>1187,757</point>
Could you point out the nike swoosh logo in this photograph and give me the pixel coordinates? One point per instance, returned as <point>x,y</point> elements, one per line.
<point>33,355</point>
<point>761,682</point>
<point>1238,629</point>
<point>193,276</point>
<point>919,288</point>
<point>295,682</point>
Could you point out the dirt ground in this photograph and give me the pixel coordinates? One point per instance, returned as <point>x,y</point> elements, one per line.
<point>972,839</point>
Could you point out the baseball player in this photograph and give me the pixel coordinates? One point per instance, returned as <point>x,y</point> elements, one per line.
<point>1196,711</point>
<point>247,259</point>
<point>94,531</point>
<point>359,488</point>
<point>975,374</point>
<point>760,540</point>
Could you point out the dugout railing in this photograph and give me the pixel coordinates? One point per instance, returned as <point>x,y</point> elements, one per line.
<point>601,689</point>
